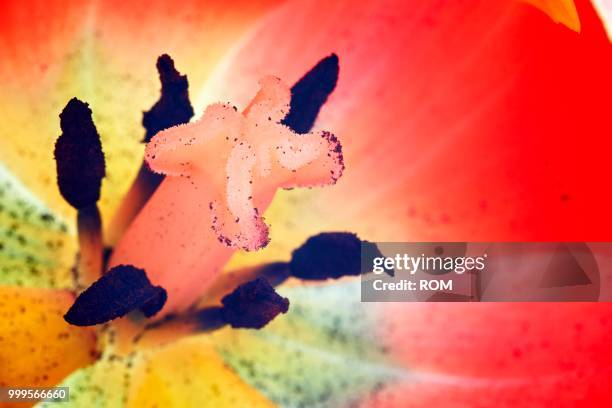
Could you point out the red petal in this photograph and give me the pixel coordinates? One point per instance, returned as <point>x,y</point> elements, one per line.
<point>473,119</point>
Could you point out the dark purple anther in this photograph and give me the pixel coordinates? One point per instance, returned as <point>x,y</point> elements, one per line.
<point>252,305</point>
<point>78,156</point>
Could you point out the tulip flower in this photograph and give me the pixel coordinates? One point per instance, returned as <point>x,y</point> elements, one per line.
<point>459,121</point>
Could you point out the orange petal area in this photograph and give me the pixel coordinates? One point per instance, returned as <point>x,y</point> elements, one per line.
<point>561,11</point>
<point>189,373</point>
<point>223,171</point>
<point>37,347</point>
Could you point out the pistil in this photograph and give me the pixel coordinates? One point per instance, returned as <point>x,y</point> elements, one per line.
<point>221,174</point>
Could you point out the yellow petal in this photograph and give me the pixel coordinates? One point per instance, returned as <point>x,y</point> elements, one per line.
<point>37,248</point>
<point>189,373</point>
<point>103,384</point>
<point>560,11</point>
<point>37,347</point>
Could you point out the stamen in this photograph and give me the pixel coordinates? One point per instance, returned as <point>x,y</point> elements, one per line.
<point>310,93</point>
<point>121,290</point>
<point>330,255</point>
<point>80,169</point>
<point>171,109</point>
<point>253,305</point>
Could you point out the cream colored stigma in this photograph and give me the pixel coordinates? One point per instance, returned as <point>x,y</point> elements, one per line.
<point>222,172</point>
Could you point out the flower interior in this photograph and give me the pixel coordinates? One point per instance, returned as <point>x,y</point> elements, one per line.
<point>200,196</point>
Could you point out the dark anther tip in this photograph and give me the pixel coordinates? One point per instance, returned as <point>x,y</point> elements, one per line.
<point>78,156</point>
<point>75,115</point>
<point>252,305</point>
<point>156,303</point>
<point>327,255</point>
<point>166,69</point>
<point>121,290</point>
<point>173,106</point>
<point>310,93</point>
